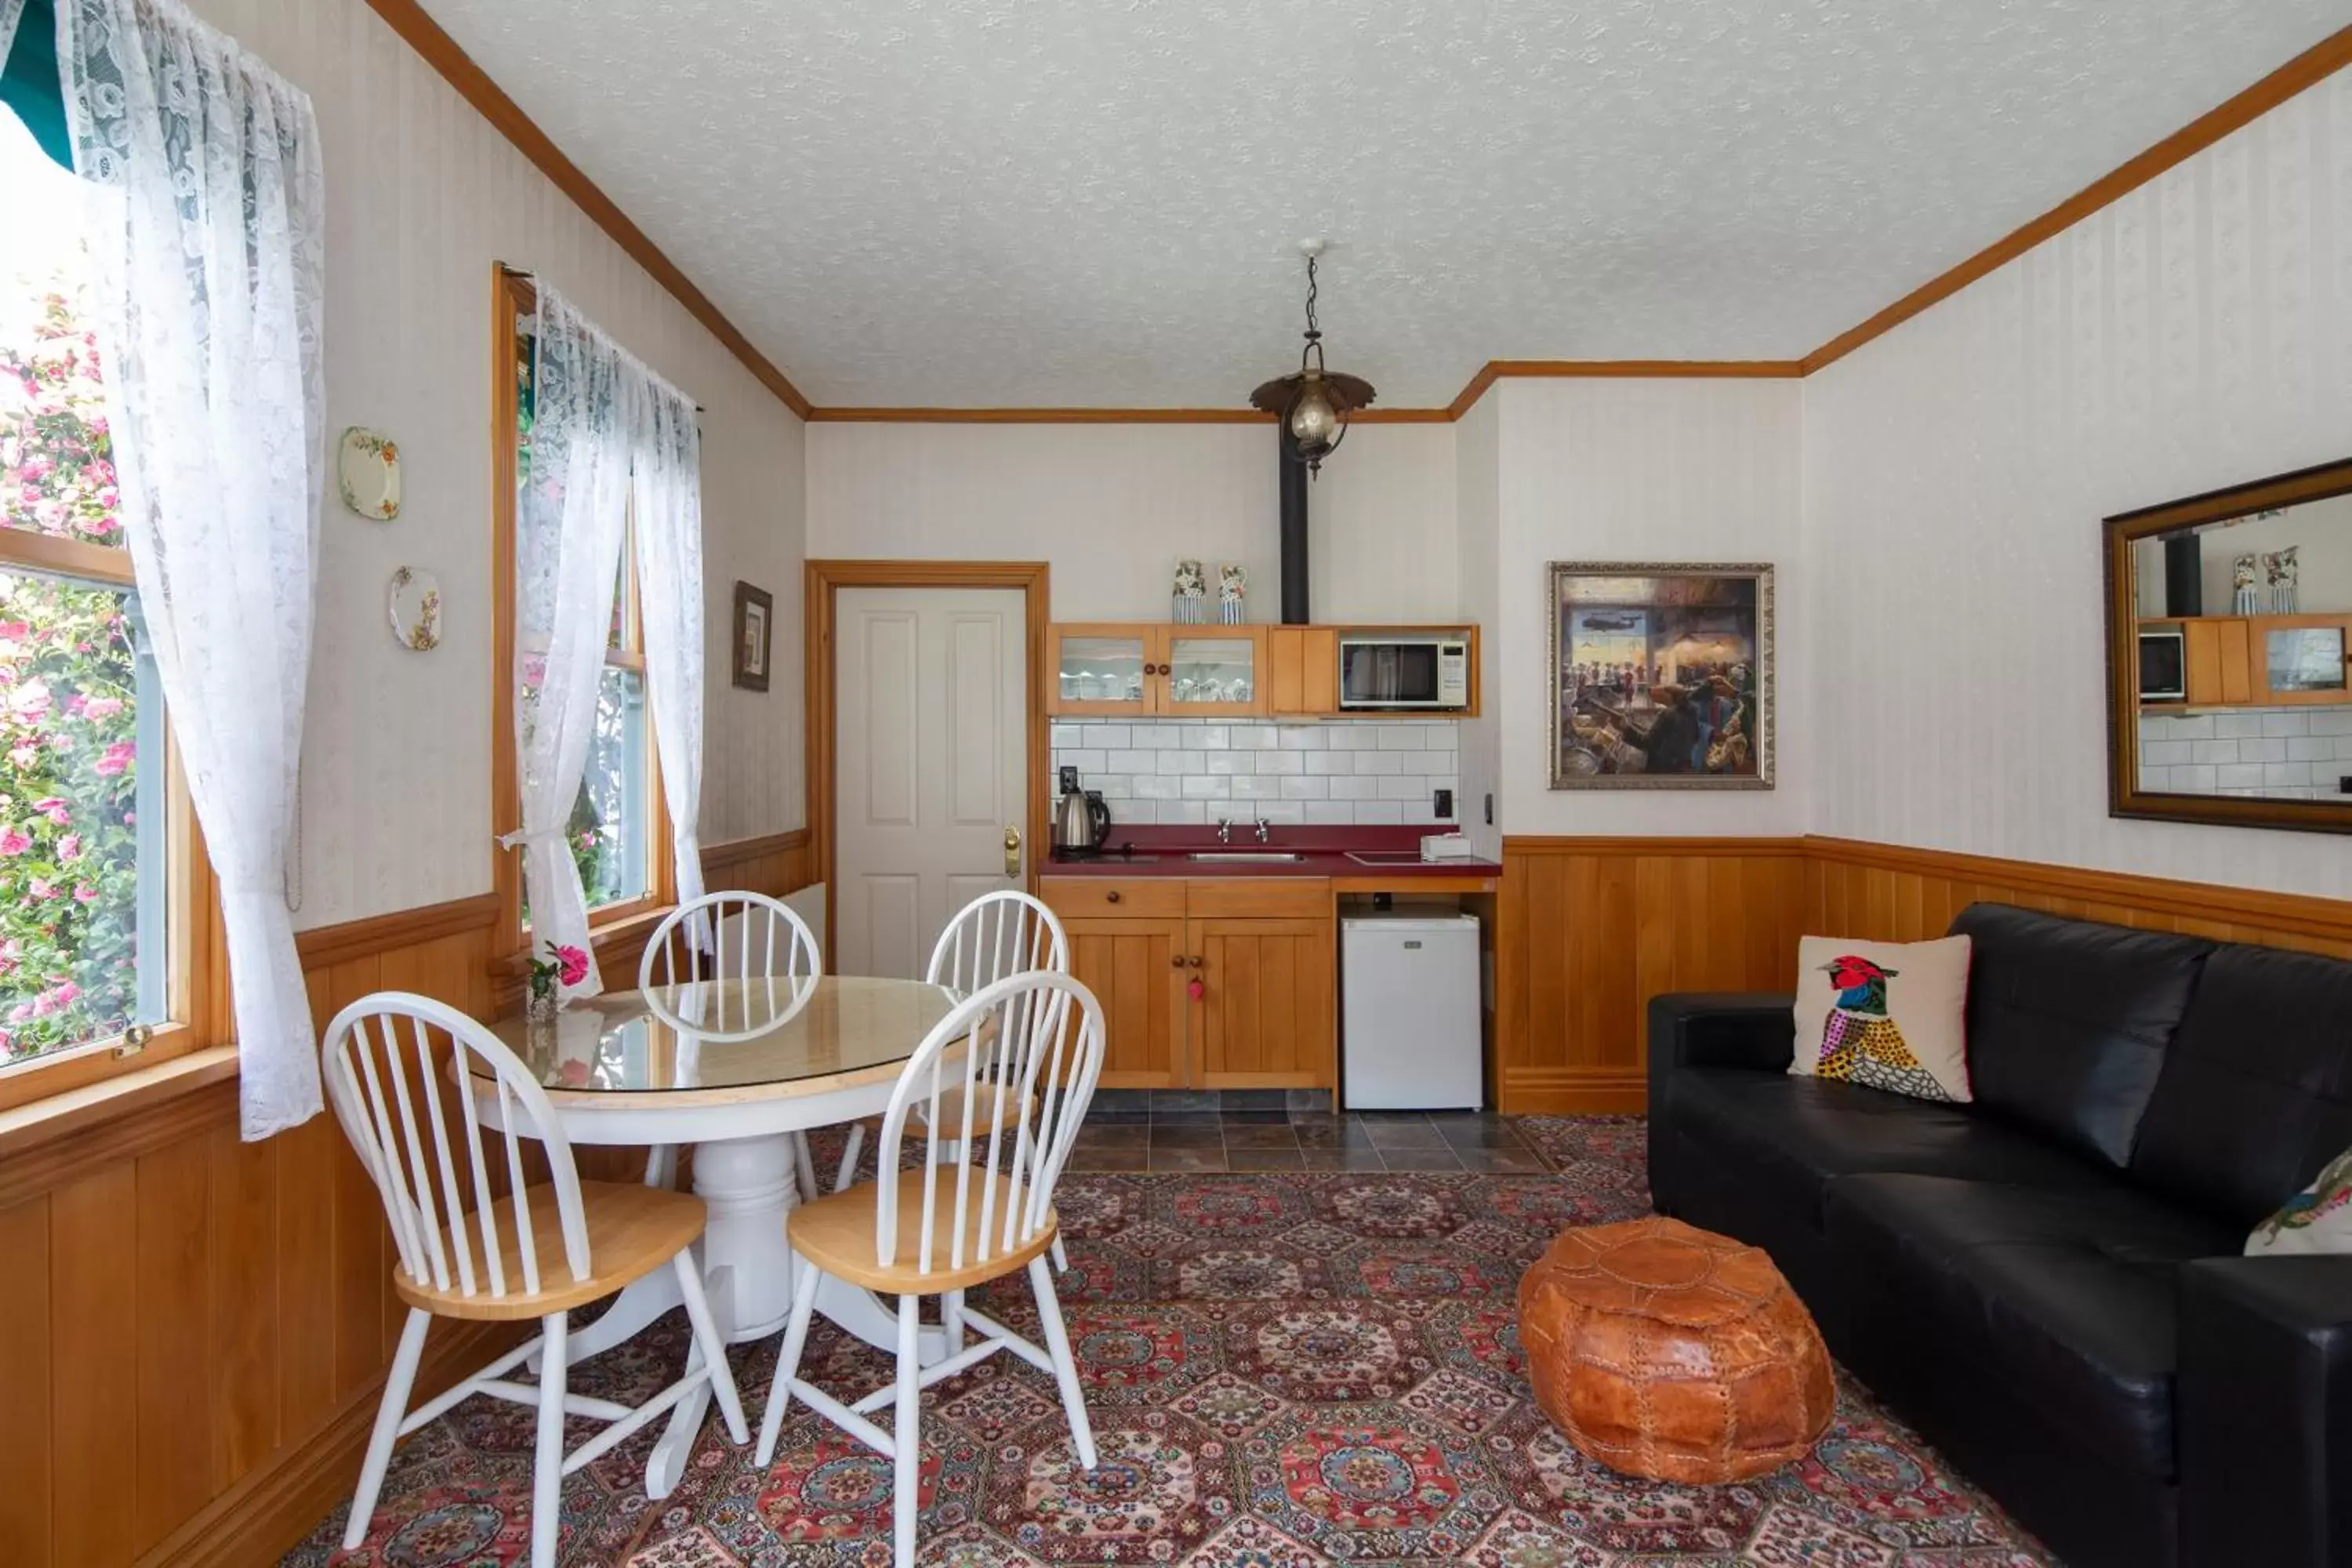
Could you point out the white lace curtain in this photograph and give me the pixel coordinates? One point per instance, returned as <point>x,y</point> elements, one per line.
<point>607,432</point>
<point>207,245</point>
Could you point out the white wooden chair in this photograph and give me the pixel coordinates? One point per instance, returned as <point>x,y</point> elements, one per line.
<point>740,937</point>
<point>997,934</point>
<point>468,1253</point>
<point>946,1226</point>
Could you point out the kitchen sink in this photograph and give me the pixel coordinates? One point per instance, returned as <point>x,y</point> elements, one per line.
<point>1246,857</point>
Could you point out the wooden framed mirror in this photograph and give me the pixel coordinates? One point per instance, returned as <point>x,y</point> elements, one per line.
<point>2230,656</point>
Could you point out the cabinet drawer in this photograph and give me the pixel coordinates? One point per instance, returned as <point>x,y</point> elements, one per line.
<point>1282,898</point>
<point>1138,898</point>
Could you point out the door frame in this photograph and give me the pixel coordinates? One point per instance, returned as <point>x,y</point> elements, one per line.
<point>821,582</point>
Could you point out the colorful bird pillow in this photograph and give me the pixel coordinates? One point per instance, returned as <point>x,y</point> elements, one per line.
<point>1885,1014</point>
<point>2317,1219</point>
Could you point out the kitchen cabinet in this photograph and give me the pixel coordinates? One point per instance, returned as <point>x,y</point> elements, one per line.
<point>1113,670</point>
<point>1260,952</point>
<point>1303,669</point>
<point>2262,662</point>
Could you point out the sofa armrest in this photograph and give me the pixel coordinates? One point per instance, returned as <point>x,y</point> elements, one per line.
<point>2263,1412</point>
<point>1721,1029</point>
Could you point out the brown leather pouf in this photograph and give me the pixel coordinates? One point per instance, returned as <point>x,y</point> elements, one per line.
<point>1672,1352</point>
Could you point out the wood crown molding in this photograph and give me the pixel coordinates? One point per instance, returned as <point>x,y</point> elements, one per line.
<point>2315,64</point>
<point>440,51</point>
<point>407,19</point>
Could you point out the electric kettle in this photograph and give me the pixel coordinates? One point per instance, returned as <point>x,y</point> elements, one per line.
<point>1082,822</point>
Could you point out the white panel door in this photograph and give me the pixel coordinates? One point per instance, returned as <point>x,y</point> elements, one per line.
<point>931,744</point>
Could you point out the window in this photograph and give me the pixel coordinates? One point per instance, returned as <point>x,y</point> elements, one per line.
<point>96,889</point>
<point>614,831</point>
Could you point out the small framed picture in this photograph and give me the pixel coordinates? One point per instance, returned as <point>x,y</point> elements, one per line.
<point>755,619</point>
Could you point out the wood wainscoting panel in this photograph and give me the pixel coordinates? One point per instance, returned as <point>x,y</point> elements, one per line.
<point>1588,929</point>
<point>199,1327</point>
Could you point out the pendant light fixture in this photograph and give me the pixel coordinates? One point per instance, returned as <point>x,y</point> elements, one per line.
<point>1315,405</point>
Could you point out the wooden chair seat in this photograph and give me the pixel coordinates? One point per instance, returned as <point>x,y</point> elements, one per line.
<point>836,1234</point>
<point>632,1231</point>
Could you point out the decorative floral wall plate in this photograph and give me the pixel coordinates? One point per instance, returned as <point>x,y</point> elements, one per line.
<point>367,466</point>
<point>414,604</point>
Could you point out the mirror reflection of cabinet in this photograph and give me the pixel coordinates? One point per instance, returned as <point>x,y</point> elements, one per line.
<point>2230,653</point>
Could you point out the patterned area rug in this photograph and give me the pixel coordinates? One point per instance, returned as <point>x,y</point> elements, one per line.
<point>1282,1369</point>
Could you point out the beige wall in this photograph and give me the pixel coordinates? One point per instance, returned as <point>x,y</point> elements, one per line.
<point>2194,334</point>
<point>1112,507</point>
<point>422,196</point>
<point>1645,471</point>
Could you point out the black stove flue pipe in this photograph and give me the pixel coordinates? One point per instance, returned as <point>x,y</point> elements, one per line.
<point>1294,530</point>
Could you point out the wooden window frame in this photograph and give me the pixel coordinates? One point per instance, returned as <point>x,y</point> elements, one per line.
<point>614,930</point>
<point>195,956</point>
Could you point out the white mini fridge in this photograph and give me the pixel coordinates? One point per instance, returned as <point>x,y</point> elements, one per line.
<point>1408,1014</point>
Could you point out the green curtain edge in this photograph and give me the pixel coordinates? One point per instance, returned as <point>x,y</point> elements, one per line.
<point>29,84</point>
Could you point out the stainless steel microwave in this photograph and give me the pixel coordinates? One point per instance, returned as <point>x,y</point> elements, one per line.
<point>1429,672</point>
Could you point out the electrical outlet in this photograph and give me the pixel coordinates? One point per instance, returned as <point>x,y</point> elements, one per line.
<point>1069,780</point>
<point>1445,806</point>
<point>1490,811</point>
<point>2344,784</point>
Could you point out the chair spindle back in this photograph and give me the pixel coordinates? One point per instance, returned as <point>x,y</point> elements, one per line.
<point>422,1141</point>
<point>997,934</point>
<point>999,1048</point>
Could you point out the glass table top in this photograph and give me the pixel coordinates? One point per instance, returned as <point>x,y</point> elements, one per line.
<point>719,1035</point>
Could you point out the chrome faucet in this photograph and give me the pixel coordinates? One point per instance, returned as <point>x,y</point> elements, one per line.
<point>1263,835</point>
<point>1226,830</point>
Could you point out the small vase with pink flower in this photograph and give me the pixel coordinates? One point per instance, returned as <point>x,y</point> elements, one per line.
<point>563,964</point>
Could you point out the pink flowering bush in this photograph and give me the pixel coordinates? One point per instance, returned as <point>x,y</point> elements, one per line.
<point>69,751</point>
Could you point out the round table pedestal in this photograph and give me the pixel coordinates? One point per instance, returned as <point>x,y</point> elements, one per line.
<point>749,1184</point>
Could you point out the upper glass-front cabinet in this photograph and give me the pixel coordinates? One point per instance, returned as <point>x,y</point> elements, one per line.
<point>1212,670</point>
<point>1123,670</point>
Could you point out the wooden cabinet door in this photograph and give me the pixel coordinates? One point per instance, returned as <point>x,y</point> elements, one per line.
<point>1303,669</point>
<point>1264,1019</point>
<point>2219,669</point>
<point>1111,672</point>
<point>1134,968</point>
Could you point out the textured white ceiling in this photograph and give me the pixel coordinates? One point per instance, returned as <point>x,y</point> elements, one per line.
<point>1040,202</point>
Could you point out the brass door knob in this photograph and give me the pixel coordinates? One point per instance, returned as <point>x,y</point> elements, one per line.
<point>1011,851</point>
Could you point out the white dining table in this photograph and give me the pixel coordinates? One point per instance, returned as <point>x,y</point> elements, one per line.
<point>734,1069</point>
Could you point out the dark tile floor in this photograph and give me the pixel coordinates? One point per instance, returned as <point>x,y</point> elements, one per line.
<point>1191,1131</point>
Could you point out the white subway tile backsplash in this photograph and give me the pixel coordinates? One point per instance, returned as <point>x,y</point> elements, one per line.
<point>2286,723</point>
<point>2239,775</point>
<point>2236,726</point>
<point>2196,779</point>
<point>1334,774</point>
<point>2160,778</point>
<point>2311,748</point>
<point>2264,751</point>
<point>2197,728</point>
<point>2221,750</point>
<point>2338,722</point>
<point>2165,753</point>
<point>2277,773</point>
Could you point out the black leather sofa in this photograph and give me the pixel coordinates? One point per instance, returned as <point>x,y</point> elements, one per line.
<point>2047,1282</point>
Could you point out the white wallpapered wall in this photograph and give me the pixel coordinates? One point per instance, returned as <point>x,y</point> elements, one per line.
<point>422,196</point>
<point>1645,471</point>
<point>1477,505</point>
<point>2196,333</point>
<point>1113,506</point>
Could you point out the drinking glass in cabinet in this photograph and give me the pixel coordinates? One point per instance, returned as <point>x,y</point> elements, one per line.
<point>1102,669</point>
<point>1212,669</point>
<point>2305,659</point>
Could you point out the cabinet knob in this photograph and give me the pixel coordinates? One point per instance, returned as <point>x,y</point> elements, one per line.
<point>1111,897</point>
<point>1177,962</point>
<point>1194,961</point>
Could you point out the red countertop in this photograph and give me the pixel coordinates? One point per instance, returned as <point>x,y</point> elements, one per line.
<point>1324,852</point>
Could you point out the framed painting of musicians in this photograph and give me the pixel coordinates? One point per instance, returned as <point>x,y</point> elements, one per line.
<point>1661,676</point>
